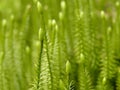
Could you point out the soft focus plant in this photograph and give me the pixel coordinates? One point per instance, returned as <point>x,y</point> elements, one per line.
<point>59,45</point>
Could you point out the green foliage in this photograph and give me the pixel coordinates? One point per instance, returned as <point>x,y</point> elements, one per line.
<point>59,45</point>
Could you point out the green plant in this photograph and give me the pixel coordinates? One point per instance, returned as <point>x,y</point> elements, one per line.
<point>60,45</point>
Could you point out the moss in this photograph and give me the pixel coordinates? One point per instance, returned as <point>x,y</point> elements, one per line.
<point>59,45</point>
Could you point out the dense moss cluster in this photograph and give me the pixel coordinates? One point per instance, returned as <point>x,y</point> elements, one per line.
<point>59,45</point>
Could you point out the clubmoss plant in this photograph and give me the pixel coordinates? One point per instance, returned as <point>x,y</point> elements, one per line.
<point>59,45</point>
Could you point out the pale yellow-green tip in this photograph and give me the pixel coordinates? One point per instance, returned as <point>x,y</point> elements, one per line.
<point>61,84</point>
<point>61,15</point>
<point>117,3</point>
<point>37,43</point>
<point>35,1</point>
<point>4,22</point>
<point>27,49</point>
<point>68,67</point>
<point>63,5</point>
<point>109,30</point>
<point>104,80</point>
<point>81,14</point>
<point>12,17</point>
<point>39,6</point>
<point>102,14</point>
<point>1,56</point>
<point>53,22</point>
<point>41,34</point>
<point>82,58</point>
<point>118,69</point>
